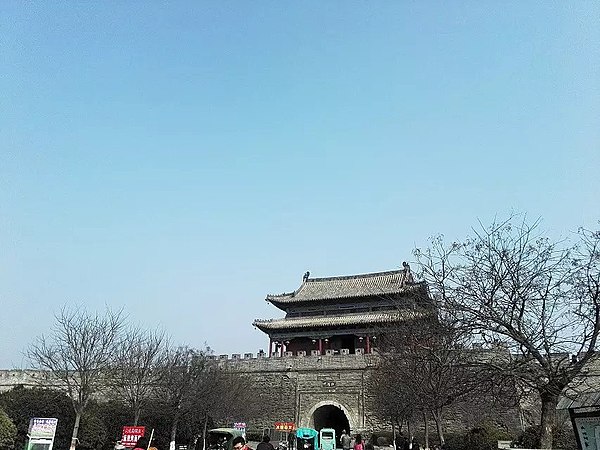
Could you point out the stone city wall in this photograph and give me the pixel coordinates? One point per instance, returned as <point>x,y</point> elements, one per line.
<point>296,386</point>
<point>27,378</point>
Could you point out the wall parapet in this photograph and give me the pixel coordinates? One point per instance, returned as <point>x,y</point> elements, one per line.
<point>300,363</point>
<point>27,378</point>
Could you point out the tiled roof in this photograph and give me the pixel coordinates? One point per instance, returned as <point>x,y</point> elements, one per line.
<point>380,283</point>
<point>374,317</point>
<point>584,399</point>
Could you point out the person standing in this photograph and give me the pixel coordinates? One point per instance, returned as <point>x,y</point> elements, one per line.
<point>265,444</point>
<point>358,444</point>
<point>345,440</point>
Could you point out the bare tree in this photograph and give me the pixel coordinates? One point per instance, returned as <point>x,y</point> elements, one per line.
<point>392,400</point>
<point>134,376</point>
<point>537,297</point>
<point>182,371</point>
<point>426,367</point>
<point>220,396</point>
<point>78,354</point>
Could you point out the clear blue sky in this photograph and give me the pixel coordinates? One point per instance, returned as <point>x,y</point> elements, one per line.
<point>184,159</point>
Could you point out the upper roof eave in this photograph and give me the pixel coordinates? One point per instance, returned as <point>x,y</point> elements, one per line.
<point>391,282</point>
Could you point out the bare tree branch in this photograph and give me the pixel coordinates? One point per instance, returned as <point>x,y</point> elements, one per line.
<point>78,353</point>
<point>540,298</point>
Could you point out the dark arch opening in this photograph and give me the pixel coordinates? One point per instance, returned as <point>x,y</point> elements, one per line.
<point>329,416</point>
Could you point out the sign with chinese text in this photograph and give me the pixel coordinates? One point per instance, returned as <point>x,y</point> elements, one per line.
<point>285,426</point>
<point>131,435</point>
<point>241,426</point>
<point>42,428</point>
<point>586,423</point>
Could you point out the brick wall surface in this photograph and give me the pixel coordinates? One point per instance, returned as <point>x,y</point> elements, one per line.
<point>296,386</point>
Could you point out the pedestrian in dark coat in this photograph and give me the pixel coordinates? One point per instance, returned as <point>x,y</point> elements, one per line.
<point>265,444</point>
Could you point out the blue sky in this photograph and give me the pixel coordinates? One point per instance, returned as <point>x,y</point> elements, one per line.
<point>184,159</point>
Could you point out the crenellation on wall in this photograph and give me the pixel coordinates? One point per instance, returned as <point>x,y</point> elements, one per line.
<point>25,377</point>
<point>332,362</point>
<point>297,386</point>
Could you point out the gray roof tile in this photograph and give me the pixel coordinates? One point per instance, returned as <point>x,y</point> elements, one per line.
<point>371,284</point>
<point>336,320</point>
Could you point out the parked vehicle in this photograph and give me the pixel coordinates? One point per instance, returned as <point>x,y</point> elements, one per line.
<point>327,439</point>
<point>221,438</point>
<point>307,439</point>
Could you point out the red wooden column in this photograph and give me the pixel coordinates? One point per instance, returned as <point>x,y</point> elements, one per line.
<point>270,346</point>
<point>368,350</point>
<point>320,346</point>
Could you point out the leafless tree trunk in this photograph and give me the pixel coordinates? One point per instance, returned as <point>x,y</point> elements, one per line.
<point>548,419</point>
<point>174,424</point>
<point>204,429</point>
<point>437,418</point>
<point>78,354</point>
<point>75,433</point>
<point>426,423</point>
<point>535,297</point>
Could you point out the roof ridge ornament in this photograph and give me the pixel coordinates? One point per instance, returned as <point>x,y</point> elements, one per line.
<point>305,276</point>
<point>408,277</point>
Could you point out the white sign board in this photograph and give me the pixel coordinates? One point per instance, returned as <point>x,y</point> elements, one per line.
<point>240,426</point>
<point>42,427</point>
<point>587,428</point>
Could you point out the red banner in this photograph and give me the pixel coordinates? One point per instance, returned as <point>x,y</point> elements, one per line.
<point>285,426</point>
<point>131,436</point>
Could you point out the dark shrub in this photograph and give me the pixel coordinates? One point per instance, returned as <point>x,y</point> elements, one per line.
<point>563,437</point>
<point>529,438</point>
<point>454,441</point>
<point>485,437</point>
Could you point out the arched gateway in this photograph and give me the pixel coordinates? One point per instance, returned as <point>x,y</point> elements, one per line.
<point>328,414</point>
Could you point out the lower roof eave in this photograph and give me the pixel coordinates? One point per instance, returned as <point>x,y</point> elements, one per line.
<point>328,331</point>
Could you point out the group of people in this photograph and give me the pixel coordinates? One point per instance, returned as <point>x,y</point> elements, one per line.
<point>348,443</point>
<point>239,443</point>
<point>355,443</point>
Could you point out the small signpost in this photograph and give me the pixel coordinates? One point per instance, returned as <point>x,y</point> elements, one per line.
<point>586,423</point>
<point>131,435</point>
<point>240,426</point>
<point>284,429</point>
<point>41,433</point>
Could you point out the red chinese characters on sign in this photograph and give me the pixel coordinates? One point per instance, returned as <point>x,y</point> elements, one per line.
<point>131,436</point>
<point>285,426</point>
